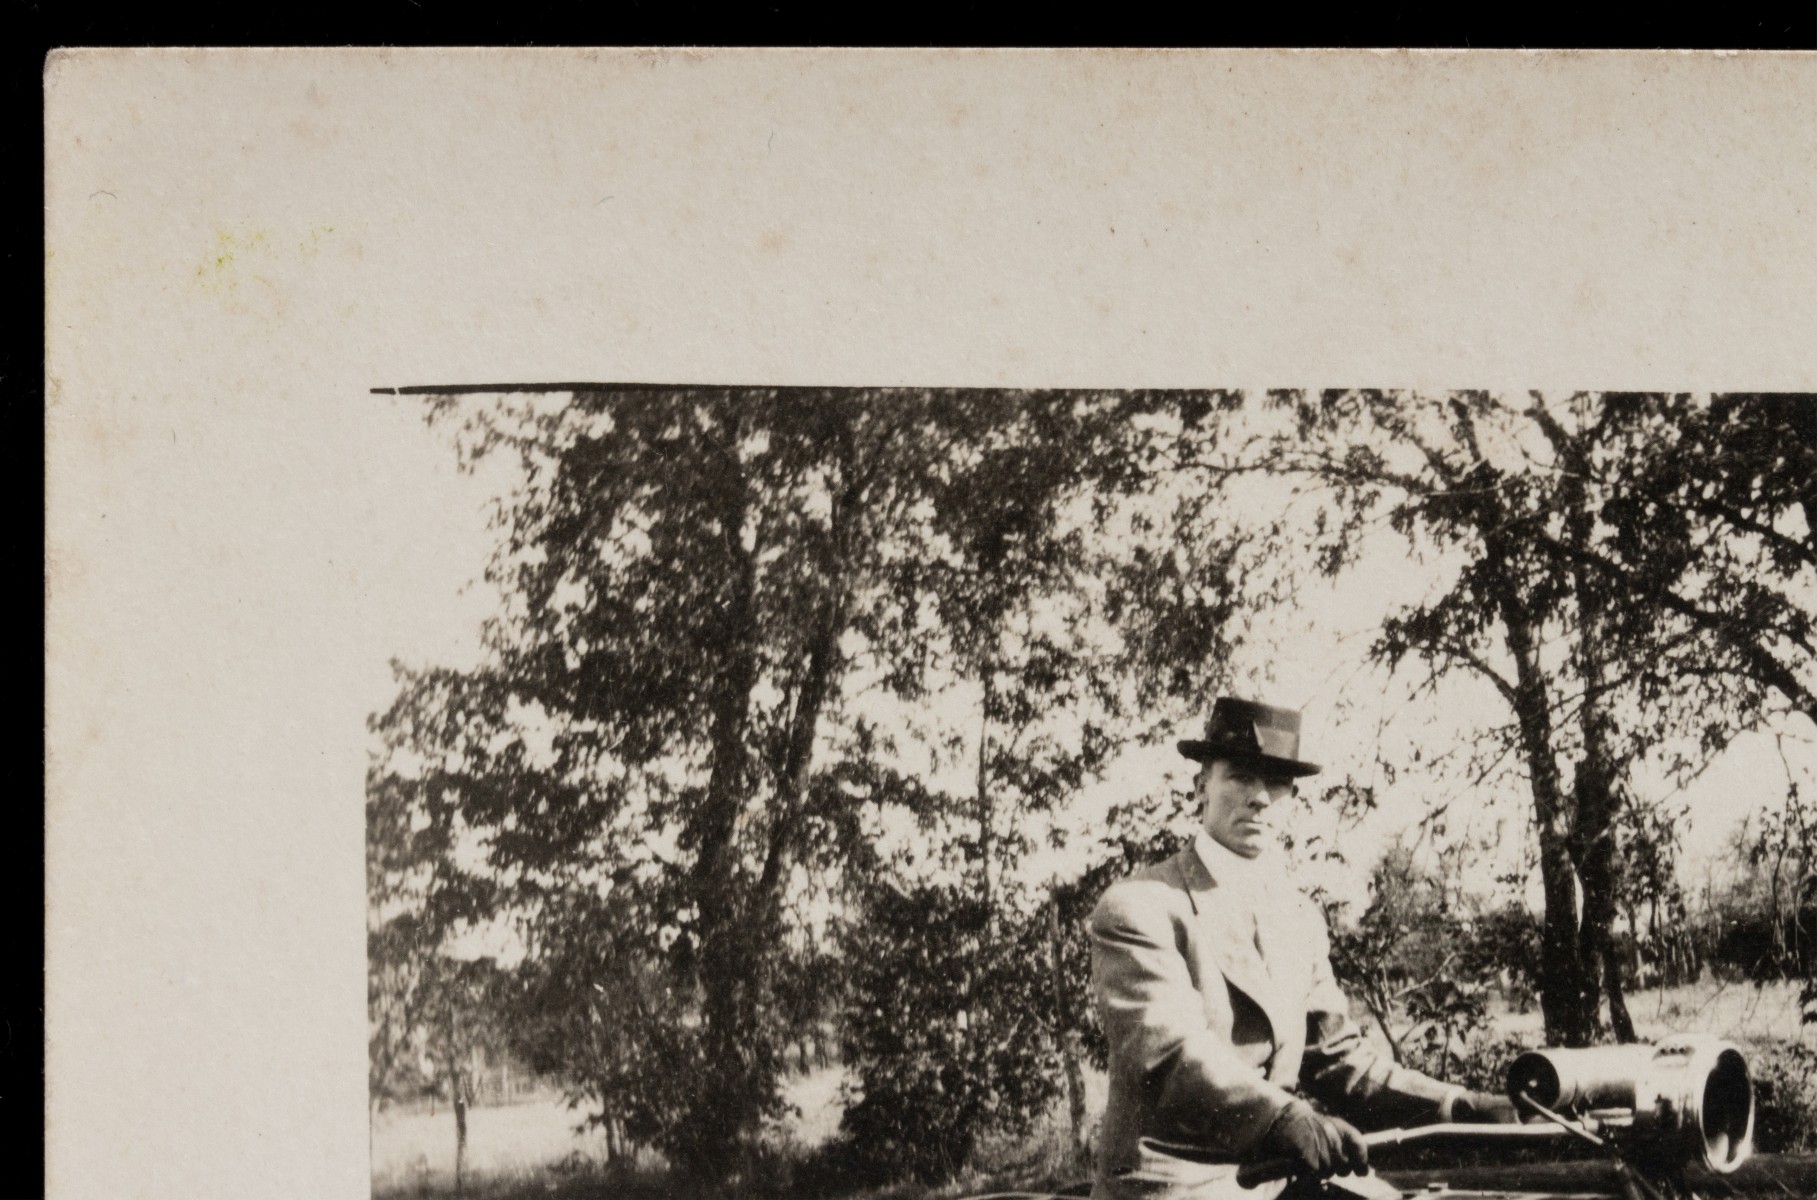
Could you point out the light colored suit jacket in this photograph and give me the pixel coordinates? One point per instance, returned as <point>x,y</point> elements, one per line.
<point>1215,1019</point>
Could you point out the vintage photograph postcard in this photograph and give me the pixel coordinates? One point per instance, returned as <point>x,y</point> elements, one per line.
<point>838,623</point>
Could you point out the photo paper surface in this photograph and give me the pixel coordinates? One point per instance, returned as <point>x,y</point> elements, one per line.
<point>1105,327</point>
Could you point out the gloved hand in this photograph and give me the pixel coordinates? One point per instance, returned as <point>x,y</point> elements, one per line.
<point>1484,1108</point>
<point>1323,1145</point>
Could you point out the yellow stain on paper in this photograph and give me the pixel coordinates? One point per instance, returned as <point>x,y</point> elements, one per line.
<point>230,257</point>
<point>249,254</point>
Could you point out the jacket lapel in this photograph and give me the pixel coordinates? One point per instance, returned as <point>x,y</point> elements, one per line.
<point>1229,937</point>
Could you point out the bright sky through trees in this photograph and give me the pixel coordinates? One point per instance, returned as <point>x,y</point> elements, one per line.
<point>427,554</point>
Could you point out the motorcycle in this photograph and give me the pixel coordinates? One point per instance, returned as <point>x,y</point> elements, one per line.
<point>1673,1120</point>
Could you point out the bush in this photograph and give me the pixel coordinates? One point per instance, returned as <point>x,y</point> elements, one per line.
<point>950,1032</point>
<point>1785,1097</point>
<point>1480,1063</point>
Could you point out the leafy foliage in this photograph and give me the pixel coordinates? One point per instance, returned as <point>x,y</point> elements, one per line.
<point>428,1011</point>
<point>662,773</point>
<point>1425,986</point>
<point>950,1031</point>
<point>1596,545</point>
<point>1785,1083</point>
<point>751,636</point>
<point>1783,856</point>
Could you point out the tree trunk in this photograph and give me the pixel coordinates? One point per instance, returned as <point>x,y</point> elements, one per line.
<point>1595,852</point>
<point>1562,967</point>
<point>457,1095</point>
<point>1618,1003</point>
<point>1066,1039</point>
<point>817,678</point>
<point>1777,925</point>
<point>1375,999</point>
<point>764,930</point>
<point>740,939</point>
<point>984,809</point>
<point>1663,973</point>
<point>1562,982</point>
<point>1594,787</point>
<point>1395,1049</point>
<point>1633,939</point>
<point>724,958</point>
<point>818,685</point>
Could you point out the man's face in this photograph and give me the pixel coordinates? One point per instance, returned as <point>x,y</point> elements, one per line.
<point>1233,798</point>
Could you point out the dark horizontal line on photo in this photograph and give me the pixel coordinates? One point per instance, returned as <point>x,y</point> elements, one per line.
<point>459,389</point>
<point>462,389</point>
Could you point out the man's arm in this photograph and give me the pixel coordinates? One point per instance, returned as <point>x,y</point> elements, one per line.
<point>1344,1071</point>
<point>1204,1094</point>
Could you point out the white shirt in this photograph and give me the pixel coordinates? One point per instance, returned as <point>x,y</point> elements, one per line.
<point>1227,866</point>
<point>1247,884</point>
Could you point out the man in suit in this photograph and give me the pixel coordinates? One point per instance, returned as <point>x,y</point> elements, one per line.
<point>1213,980</point>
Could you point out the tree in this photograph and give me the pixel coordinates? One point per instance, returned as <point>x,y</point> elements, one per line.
<point>664,740</point>
<point>434,1017</point>
<point>596,1007</point>
<point>1631,576</point>
<point>460,1004</point>
<point>426,1006</point>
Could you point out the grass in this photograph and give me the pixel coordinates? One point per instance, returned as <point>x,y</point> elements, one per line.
<point>413,1153</point>
<point>1742,1012</point>
<point>533,1149</point>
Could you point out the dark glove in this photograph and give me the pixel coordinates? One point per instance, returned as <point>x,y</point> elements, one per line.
<point>1484,1108</point>
<point>1320,1144</point>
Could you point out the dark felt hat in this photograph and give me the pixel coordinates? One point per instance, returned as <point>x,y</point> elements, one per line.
<point>1257,735</point>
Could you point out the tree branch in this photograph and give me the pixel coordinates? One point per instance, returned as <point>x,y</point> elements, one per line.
<point>1765,667</point>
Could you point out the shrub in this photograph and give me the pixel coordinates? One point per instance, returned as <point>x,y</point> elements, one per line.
<point>1482,1062</point>
<point>950,1033</point>
<point>1785,1097</point>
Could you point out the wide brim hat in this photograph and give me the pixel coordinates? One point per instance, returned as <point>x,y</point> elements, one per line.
<point>1253,734</point>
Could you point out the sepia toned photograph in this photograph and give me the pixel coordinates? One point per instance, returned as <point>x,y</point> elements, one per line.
<point>839,624</point>
<point>1126,793</point>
